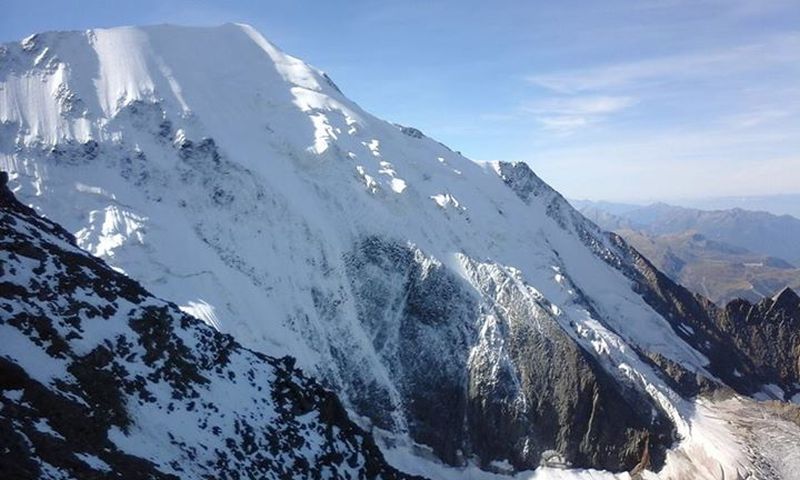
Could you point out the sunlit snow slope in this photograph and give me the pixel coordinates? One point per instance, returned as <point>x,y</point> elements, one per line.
<point>99,379</point>
<point>459,307</point>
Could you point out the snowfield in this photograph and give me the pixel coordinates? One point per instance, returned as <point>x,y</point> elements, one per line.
<point>99,378</point>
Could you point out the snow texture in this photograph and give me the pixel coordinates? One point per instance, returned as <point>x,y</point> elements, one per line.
<point>101,379</point>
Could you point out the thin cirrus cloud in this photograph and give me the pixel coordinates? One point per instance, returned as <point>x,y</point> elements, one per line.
<point>584,97</point>
<point>780,49</point>
<point>565,114</point>
<point>759,117</point>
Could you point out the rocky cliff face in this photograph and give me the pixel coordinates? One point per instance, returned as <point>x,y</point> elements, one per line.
<point>768,333</point>
<point>748,345</point>
<point>99,378</point>
<point>691,317</point>
<point>513,389</point>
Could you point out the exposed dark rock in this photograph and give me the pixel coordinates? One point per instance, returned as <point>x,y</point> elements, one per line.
<point>411,132</point>
<point>549,395</point>
<point>747,345</point>
<point>768,332</point>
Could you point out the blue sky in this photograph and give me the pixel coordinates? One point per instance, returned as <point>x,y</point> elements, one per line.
<point>616,100</point>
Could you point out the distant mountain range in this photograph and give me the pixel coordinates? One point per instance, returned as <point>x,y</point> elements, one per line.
<point>780,204</point>
<point>722,254</point>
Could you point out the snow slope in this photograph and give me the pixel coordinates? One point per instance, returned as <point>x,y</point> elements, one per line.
<point>99,379</point>
<point>242,184</point>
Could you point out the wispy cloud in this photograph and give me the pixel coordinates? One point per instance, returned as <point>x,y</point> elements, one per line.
<point>775,50</point>
<point>585,97</point>
<point>581,106</point>
<point>677,163</point>
<point>759,117</point>
<point>564,124</point>
<point>565,114</point>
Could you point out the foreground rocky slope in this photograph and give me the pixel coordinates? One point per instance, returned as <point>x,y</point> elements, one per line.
<point>462,308</point>
<point>99,379</point>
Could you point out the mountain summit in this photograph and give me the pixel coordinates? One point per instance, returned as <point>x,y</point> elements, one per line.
<point>458,308</point>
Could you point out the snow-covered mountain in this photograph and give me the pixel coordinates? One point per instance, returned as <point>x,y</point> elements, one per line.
<point>462,309</point>
<point>100,380</point>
